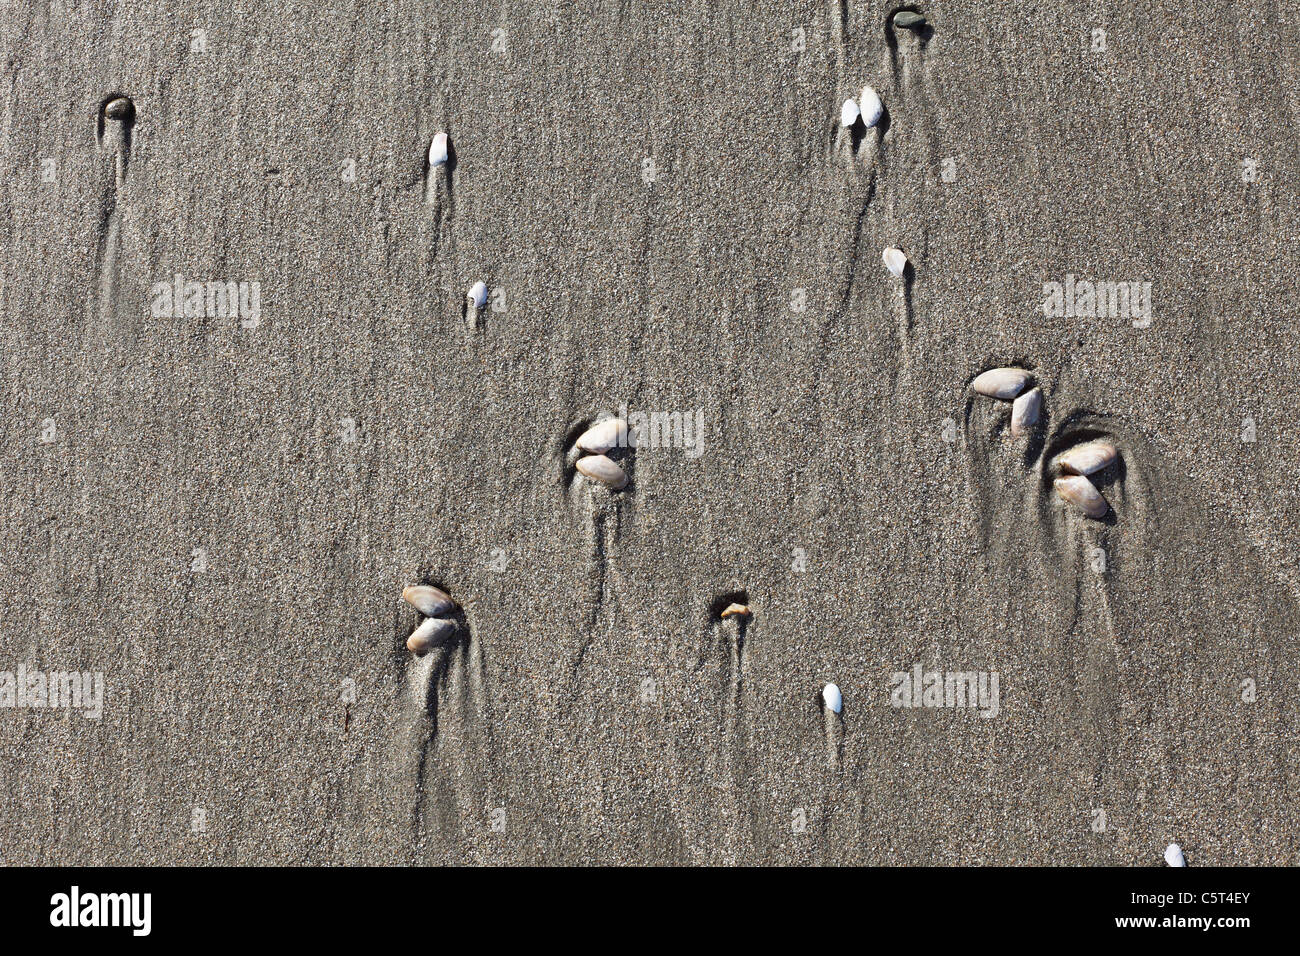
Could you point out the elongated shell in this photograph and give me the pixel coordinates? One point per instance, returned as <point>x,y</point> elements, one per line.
<point>736,609</point>
<point>849,113</point>
<point>870,106</point>
<point>604,470</point>
<point>832,698</point>
<point>894,261</point>
<point>1174,855</point>
<point>909,20</point>
<point>1081,493</point>
<point>1087,458</point>
<point>1003,383</point>
<point>431,632</point>
<point>1024,412</point>
<point>603,436</point>
<point>438,150</point>
<point>428,600</point>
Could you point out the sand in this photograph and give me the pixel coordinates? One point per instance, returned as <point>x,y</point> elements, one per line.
<point>218,512</point>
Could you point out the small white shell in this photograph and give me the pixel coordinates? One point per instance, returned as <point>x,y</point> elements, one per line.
<point>832,698</point>
<point>1086,458</point>
<point>603,436</point>
<point>604,470</point>
<point>1003,383</point>
<point>438,150</point>
<point>1174,855</point>
<point>432,631</point>
<point>894,261</point>
<point>1081,493</point>
<point>849,113</point>
<point>427,599</point>
<point>1024,412</point>
<point>734,609</point>
<point>478,294</point>
<point>871,107</point>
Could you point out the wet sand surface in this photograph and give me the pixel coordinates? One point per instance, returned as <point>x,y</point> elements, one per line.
<point>218,512</point>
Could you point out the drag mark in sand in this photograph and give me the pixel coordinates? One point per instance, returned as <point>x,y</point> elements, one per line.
<point>115,123</point>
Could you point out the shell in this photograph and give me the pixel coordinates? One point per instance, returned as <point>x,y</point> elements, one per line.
<point>1174,855</point>
<point>604,470</point>
<point>1024,412</point>
<point>431,632</point>
<point>734,609</point>
<point>1081,493</point>
<point>832,698</point>
<point>1086,458</point>
<point>849,113</point>
<point>1004,383</point>
<point>871,107</point>
<point>428,600</point>
<point>603,436</point>
<point>909,19</point>
<point>119,108</point>
<point>477,294</point>
<point>438,150</point>
<point>894,261</point>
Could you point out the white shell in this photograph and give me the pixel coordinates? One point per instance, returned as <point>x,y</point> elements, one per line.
<point>1081,493</point>
<point>871,107</point>
<point>1086,458</point>
<point>849,113</point>
<point>1024,413</point>
<point>604,470</point>
<point>438,150</point>
<point>1174,855</point>
<point>832,698</point>
<point>894,261</point>
<point>603,436</point>
<point>478,294</point>
<point>432,631</point>
<point>734,609</point>
<point>428,600</point>
<point>1004,383</point>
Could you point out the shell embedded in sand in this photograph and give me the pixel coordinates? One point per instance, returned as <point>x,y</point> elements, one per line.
<point>428,600</point>
<point>734,609</point>
<point>120,108</point>
<point>1003,383</point>
<point>431,632</point>
<point>603,436</point>
<point>1024,412</point>
<point>477,294</point>
<point>849,113</point>
<point>909,19</point>
<point>1087,458</point>
<point>1174,855</point>
<point>604,470</point>
<point>832,698</point>
<point>894,261</point>
<point>870,106</point>
<point>1080,492</point>
<point>438,150</point>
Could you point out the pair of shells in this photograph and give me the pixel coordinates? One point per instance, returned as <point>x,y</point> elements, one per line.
<point>1075,465</point>
<point>867,108</point>
<point>597,440</point>
<point>1006,384</point>
<point>435,629</point>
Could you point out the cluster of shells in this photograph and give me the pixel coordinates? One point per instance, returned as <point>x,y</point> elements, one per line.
<point>1073,469</point>
<point>437,628</point>
<point>1008,385</point>
<point>596,441</point>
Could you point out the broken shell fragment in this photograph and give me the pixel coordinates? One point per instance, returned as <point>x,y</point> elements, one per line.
<point>832,698</point>
<point>736,609</point>
<point>604,470</point>
<point>119,108</point>
<point>477,294</point>
<point>849,113</point>
<point>603,436</point>
<point>1174,855</point>
<point>909,19</point>
<point>870,106</point>
<point>894,261</point>
<point>438,150</point>
<point>431,632</point>
<point>428,600</point>
<point>1087,458</point>
<point>1080,492</point>
<point>1024,412</point>
<point>1003,383</point>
